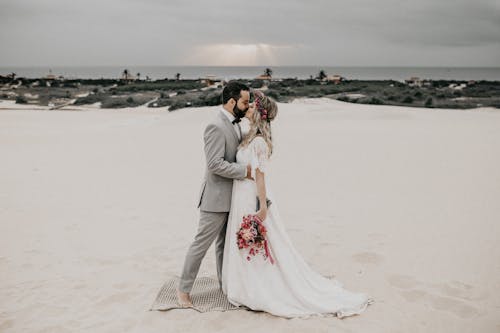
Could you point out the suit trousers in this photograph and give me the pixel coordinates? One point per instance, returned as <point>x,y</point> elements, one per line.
<point>212,226</point>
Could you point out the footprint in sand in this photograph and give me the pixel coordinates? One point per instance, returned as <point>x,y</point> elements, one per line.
<point>5,324</point>
<point>459,308</point>
<point>413,295</point>
<point>461,290</point>
<point>368,258</point>
<point>121,285</point>
<point>409,292</point>
<point>403,281</point>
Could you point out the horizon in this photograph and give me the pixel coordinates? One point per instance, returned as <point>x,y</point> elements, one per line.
<point>249,66</point>
<point>190,72</point>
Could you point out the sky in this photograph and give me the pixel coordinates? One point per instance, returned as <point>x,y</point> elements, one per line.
<point>250,33</point>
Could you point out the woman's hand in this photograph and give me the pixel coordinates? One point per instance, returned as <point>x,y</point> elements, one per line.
<point>262,213</point>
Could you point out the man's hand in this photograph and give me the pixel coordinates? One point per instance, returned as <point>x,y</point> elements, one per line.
<point>249,172</point>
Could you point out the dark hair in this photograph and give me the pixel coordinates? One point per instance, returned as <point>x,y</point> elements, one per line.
<point>233,90</point>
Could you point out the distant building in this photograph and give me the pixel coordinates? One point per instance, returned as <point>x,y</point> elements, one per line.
<point>51,76</point>
<point>335,78</point>
<point>414,81</point>
<point>11,76</point>
<point>264,77</point>
<point>209,80</point>
<point>455,86</point>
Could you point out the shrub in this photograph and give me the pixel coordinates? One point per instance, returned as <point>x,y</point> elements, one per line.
<point>21,100</point>
<point>213,99</point>
<point>375,100</point>
<point>161,102</point>
<point>114,103</point>
<point>428,102</point>
<point>89,99</point>
<point>257,84</point>
<point>124,101</point>
<point>408,99</point>
<point>273,94</point>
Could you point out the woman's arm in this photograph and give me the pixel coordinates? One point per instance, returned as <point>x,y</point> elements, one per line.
<point>261,193</point>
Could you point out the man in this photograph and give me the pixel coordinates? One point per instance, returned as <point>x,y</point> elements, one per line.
<point>221,138</point>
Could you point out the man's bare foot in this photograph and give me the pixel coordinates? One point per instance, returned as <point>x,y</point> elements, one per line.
<point>184,299</point>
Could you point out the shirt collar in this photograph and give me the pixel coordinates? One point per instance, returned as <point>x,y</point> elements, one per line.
<point>227,114</point>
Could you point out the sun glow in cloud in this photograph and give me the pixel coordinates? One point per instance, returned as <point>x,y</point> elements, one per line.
<point>235,55</point>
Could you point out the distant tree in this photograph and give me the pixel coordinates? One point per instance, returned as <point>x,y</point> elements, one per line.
<point>268,72</point>
<point>178,76</point>
<point>321,75</point>
<point>125,74</point>
<point>138,76</point>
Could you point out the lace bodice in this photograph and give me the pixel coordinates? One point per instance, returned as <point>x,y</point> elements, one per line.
<point>256,154</point>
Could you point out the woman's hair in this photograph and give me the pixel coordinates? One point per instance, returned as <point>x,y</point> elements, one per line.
<point>266,110</point>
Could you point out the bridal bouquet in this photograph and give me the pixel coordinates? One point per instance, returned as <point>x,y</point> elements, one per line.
<point>252,236</point>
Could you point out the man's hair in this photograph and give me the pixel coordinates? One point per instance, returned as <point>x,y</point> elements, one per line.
<point>233,90</point>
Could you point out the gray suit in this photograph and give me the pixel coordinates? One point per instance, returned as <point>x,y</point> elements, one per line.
<point>221,144</point>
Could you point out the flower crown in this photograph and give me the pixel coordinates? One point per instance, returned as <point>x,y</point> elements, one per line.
<point>263,112</point>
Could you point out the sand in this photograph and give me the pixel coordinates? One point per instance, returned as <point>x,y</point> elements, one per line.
<point>98,207</point>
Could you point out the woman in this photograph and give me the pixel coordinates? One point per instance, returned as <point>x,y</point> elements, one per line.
<point>282,284</point>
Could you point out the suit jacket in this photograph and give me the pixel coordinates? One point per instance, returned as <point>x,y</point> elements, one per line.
<point>221,144</point>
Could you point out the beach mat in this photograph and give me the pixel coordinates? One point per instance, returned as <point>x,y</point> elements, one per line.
<point>206,296</point>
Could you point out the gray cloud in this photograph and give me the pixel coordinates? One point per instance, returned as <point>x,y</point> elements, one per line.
<point>317,32</point>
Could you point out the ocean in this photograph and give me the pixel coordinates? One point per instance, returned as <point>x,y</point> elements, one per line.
<point>228,73</point>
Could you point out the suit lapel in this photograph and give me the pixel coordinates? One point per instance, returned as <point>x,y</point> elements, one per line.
<point>231,127</point>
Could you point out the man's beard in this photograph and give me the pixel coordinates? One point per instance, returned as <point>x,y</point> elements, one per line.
<point>238,112</point>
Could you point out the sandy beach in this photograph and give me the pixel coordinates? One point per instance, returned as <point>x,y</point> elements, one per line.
<point>98,208</point>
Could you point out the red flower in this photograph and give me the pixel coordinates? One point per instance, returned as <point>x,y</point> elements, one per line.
<point>252,235</point>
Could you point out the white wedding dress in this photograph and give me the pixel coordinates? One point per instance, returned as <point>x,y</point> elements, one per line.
<point>289,288</point>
